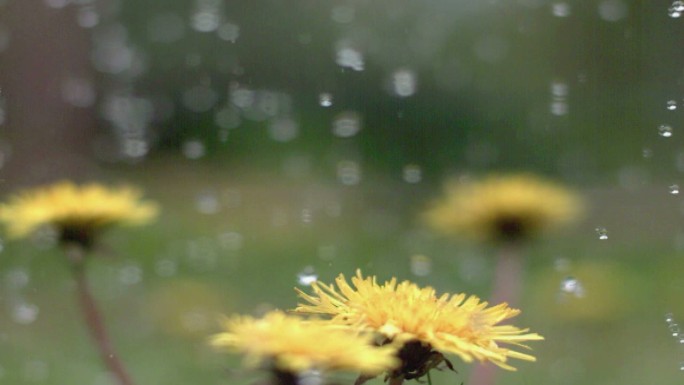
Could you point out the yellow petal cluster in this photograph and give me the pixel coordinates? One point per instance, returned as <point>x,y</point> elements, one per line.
<point>295,345</point>
<point>510,207</point>
<point>67,205</point>
<point>403,312</point>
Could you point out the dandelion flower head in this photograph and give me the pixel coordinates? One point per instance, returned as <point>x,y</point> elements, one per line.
<point>512,207</point>
<point>294,345</point>
<point>405,313</point>
<point>76,212</point>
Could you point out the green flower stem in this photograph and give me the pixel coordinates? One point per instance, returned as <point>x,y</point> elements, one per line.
<point>396,380</point>
<point>429,378</point>
<point>95,323</point>
<point>507,288</point>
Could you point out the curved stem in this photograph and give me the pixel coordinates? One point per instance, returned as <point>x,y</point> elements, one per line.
<point>95,324</point>
<point>507,288</point>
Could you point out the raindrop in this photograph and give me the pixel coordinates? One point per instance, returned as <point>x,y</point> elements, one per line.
<point>87,17</point>
<point>193,149</point>
<point>165,267</point>
<point>671,105</point>
<point>130,275</point>
<point>613,10</point>
<point>307,216</point>
<point>199,98</point>
<point>674,329</point>
<point>17,278</point>
<point>283,129</point>
<point>602,233</point>
<point>570,285</point>
<point>325,99</point>
<point>647,153</point>
<point>669,318</point>
<point>421,265</point>
<point>681,366</point>
<point>349,57</point>
<point>348,173</point>
<point>231,241</point>
<point>228,32</point>
<point>674,189</point>
<point>412,173</point>
<point>665,130</point>
<point>674,13</point>
<point>346,124</point>
<point>678,5</point>
<point>404,83</point>
<point>228,118</point>
<point>307,276</point>
<point>205,20</point>
<point>25,313</point>
<point>207,203</point>
<point>561,9</point>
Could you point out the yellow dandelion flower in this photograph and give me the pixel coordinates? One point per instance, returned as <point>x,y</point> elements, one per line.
<point>293,345</point>
<point>76,212</point>
<point>427,325</point>
<point>511,208</point>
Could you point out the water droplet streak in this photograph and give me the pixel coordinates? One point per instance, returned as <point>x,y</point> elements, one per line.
<point>665,130</point>
<point>602,233</point>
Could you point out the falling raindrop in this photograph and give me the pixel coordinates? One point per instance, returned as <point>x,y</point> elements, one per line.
<point>348,172</point>
<point>307,276</point>
<point>665,130</point>
<point>678,5</point>
<point>307,216</point>
<point>87,17</point>
<point>674,329</point>
<point>561,9</point>
<point>602,233</point>
<point>228,32</point>
<point>349,57</point>
<point>421,265</point>
<point>325,99</point>
<point>346,124</point>
<point>207,202</point>
<point>130,275</point>
<point>671,105</point>
<point>193,149</point>
<point>674,189</point>
<point>647,153</point>
<point>404,83</point>
<point>25,313</point>
<point>669,318</point>
<point>571,285</point>
<point>412,173</point>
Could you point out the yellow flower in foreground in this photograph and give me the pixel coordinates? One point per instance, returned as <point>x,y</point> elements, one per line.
<point>76,212</point>
<point>426,325</point>
<point>514,207</point>
<point>293,345</point>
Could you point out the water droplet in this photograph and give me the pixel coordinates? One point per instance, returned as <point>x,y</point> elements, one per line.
<point>647,153</point>
<point>602,233</point>
<point>307,276</point>
<point>674,189</point>
<point>325,99</point>
<point>671,105</point>
<point>130,275</point>
<point>228,32</point>
<point>421,265</point>
<point>678,5</point>
<point>412,173</point>
<point>193,149</point>
<point>561,9</point>
<point>681,366</point>
<point>283,129</point>
<point>571,285</point>
<point>228,118</point>
<point>349,57</point>
<point>207,203</point>
<point>669,318</point>
<point>665,130</point>
<point>205,20</point>
<point>307,216</point>
<point>25,313</point>
<point>674,329</point>
<point>346,124</point>
<point>87,17</point>
<point>404,83</point>
<point>348,172</point>
<point>166,267</point>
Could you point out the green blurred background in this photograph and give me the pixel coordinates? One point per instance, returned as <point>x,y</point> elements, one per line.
<point>292,138</point>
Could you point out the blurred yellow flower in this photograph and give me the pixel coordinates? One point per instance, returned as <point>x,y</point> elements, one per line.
<point>426,325</point>
<point>76,212</point>
<point>511,208</point>
<point>293,345</point>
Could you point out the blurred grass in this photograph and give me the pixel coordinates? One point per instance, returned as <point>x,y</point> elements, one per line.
<point>162,287</point>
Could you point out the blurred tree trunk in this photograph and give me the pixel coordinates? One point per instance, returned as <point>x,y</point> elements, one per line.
<point>48,137</point>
